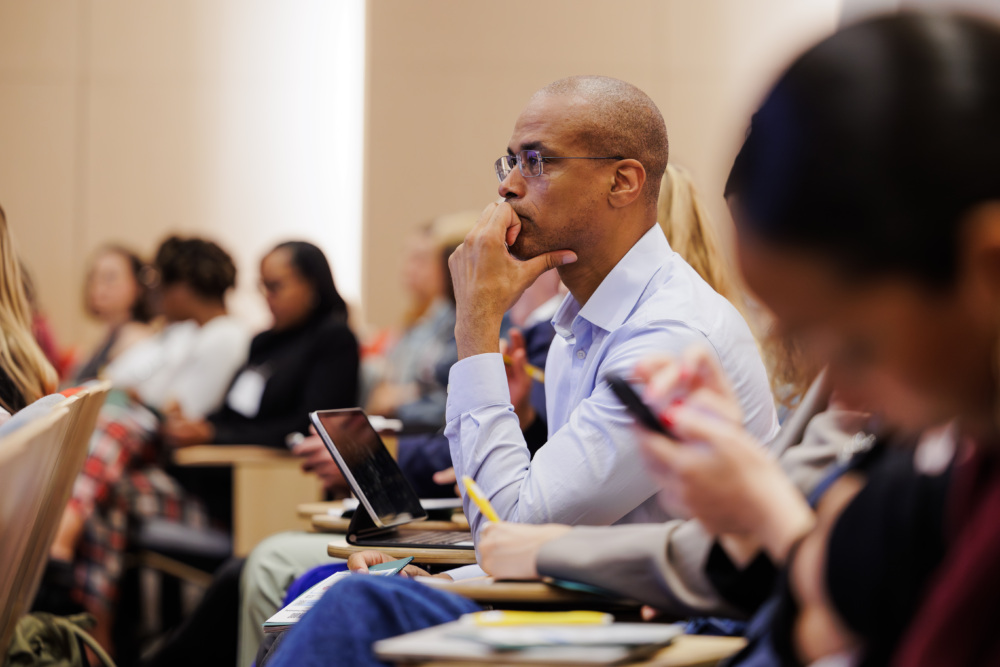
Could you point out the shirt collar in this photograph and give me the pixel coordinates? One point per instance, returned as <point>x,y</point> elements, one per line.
<point>618,293</point>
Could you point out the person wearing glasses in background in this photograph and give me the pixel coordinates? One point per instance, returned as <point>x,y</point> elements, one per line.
<point>579,186</point>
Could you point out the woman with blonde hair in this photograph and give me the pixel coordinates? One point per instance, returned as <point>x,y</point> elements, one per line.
<point>25,373</point>
<point>411,385</point>
<point>691,233</point>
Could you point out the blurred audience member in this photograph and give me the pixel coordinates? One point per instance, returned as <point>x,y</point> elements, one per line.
<point>117,296</point>
<point>412,383</point>
<point>189,363</point>
<point>187,367</point>
<point>42,330</point>
<point>308,359</point>
<point>25,374</point>
<point>689,230</point>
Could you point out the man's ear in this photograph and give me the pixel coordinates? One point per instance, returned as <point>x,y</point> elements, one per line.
<point>626,187</point>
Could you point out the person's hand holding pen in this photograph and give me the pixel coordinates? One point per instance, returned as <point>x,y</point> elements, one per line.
<point>508,550</point>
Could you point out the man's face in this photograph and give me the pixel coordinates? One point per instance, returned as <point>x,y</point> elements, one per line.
<point>562,208</point>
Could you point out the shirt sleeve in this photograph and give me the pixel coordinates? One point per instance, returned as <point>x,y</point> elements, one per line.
<point>589,472</point>
<point>200,385</point>
<point>662,565</point>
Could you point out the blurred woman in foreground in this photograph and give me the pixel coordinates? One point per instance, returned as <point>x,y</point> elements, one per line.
<point>870,226</point>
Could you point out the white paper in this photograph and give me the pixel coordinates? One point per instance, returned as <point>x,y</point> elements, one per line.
<point>247,392</point>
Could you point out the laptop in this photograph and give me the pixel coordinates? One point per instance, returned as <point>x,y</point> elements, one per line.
<point>387,501</point>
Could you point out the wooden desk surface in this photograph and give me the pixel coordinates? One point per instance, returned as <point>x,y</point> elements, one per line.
<point>309,510</point>
<point>227,455</point>
<point>685,651</point>
<point>324,523</point>
<point>339,548</point>
<point>267,481</point>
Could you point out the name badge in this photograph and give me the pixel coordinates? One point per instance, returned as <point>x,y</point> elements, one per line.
<point>246,393</point>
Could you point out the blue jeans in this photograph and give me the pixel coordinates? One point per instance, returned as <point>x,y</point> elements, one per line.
<point>357,612</point>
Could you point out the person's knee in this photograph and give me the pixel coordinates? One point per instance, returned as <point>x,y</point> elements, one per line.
<point>264,562</point>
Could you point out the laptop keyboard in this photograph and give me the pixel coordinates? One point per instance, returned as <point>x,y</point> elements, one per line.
<point>438,537</point>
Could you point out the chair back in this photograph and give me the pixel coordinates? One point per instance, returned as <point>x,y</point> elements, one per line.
<point>38,464</point>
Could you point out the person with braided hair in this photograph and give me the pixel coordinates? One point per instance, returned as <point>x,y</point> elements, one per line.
<point>186,368</point>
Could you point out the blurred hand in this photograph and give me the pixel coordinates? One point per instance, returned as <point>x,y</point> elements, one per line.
<point>695,377</point>
<point>180,432</point>
<point>360,561</point>
<point>316,458</point>
<point>517,378</point>
<point>447,476</point>
<point>716,472</point>
<point>510,550</point>
<point>488,280</point>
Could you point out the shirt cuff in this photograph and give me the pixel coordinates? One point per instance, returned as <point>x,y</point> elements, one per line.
<point>476,382</point>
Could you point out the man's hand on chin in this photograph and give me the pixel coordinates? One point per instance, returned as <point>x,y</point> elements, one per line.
<point>488,280</point>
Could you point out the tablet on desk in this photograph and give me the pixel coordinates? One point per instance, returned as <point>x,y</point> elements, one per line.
<point>387,501</point>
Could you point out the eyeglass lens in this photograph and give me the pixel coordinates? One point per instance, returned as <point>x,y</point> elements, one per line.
<point>529,162</point>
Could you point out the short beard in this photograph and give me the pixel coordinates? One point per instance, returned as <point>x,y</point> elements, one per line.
<point>516,250</point>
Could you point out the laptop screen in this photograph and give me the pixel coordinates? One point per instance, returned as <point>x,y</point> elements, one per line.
<point>371,471</point>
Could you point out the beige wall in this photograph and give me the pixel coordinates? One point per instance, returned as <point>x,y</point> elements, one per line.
<point>447,78</point>
<point>124,120</point>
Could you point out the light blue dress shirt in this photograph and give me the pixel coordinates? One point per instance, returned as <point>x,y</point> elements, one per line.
<point>590,470</point>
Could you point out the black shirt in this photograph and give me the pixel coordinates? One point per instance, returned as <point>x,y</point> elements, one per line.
<point>311,367</point>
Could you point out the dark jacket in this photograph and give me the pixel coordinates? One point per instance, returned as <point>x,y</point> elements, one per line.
<point>311,367</point>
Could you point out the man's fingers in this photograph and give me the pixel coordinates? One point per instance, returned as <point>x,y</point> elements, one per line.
<point>497,220</point>
<point>536,266</point>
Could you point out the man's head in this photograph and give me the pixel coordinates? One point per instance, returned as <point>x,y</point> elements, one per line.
<point>576,203</point>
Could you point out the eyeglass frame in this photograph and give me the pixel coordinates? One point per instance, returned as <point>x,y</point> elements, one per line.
<point>541,158</point>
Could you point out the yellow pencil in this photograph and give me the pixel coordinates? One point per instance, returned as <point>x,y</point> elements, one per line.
<point>478,497</point>
<point>534,372</point>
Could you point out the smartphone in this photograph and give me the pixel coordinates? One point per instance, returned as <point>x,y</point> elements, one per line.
<point>390,568</point>
<point>623,390</point>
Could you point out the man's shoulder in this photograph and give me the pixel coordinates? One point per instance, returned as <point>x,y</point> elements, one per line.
<point>677,295</point>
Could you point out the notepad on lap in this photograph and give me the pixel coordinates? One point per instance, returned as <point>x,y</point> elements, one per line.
<point>549,644</point>
<point>297,608</point>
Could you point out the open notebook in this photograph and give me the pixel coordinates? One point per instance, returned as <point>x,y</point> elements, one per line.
<point>536,644</point>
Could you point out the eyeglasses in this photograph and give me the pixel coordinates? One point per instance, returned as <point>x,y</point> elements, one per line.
<point>530,163</point>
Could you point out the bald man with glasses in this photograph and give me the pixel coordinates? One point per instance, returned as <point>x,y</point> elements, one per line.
<point>579,186</point>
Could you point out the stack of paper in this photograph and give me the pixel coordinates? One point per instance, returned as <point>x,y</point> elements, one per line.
<point>549,644</point>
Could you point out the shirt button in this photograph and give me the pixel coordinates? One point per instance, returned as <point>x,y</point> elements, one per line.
<point>581,354</point>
